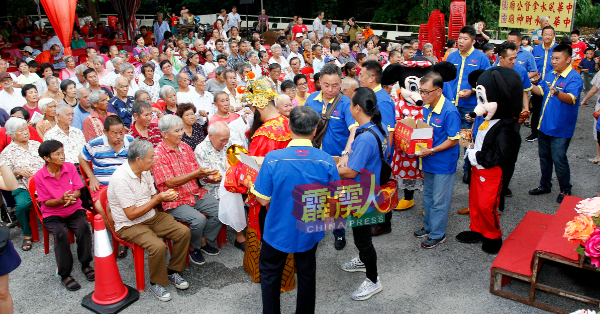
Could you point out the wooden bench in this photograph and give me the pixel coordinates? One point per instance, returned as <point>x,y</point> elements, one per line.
<point>538,237</point>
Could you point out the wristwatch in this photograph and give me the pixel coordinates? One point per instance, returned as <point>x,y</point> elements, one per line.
<point>556,92</point>
<point>345,152</point>
<point>432,151</point>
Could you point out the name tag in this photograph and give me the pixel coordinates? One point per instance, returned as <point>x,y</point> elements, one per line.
<point>473,65</point>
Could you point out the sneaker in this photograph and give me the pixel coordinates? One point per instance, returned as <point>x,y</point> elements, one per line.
<point>340,243</point>
<point>160,292</point>
<point>178,281</point>
<point>508,193</point>
<point>561,196</point>
<point>196,257</point>
<point>354,265</point>
<point>539,191</point>
<point>431,243</point>
<point>207,249</point>
<point>531,138</point>
<point>367,289</point>
<point>421,233</point>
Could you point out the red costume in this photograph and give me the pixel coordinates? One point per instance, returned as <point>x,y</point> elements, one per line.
<point>405,168</point>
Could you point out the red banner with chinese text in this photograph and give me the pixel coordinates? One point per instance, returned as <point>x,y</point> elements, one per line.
<point>526,13</point>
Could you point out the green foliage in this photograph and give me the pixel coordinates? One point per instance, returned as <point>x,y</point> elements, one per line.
<point>392,11</point>
<point>587,13</point>
<point>596,221</point>
<point>580,249</point>
<point>483,10</point>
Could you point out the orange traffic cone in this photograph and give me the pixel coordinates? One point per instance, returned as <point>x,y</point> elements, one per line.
<point>110,294</point>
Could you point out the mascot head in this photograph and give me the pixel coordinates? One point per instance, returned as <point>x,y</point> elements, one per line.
<point>499,92</point>
<point>409,74</point>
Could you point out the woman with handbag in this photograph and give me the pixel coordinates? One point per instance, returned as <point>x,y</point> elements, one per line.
<point>9,258</point>
<point>367,154</point>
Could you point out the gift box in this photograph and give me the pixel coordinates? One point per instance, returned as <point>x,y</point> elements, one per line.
<point>409,132</point>
<point>248,170</point>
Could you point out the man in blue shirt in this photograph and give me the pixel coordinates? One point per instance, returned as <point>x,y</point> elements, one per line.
<point>370,76</point>
<point>122,103</point>
<point>83,109</point>
<point>543,60</point>
<point>524,58</point>
<point>282,171</point>
<point>560,91</point>
<point>588,67</point>
<point>438,162</point>
<point>341,128</point>
<point>507,57</point>
<point>159,29</point>
<point>467,59</point>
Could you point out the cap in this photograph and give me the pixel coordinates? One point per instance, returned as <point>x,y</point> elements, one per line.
<point>328,59</point>
<point>4,75</point>
<point>28,49</point>
<point>299,35</point>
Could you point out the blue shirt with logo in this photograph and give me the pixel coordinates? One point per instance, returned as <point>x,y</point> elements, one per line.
<point>386,107</point>
<point>543,60</point>
<point>338,130</point>
<point>282,170</point>
<point>365,151</point>
<point>524,59</point>
<point>474,60</point>
<point>557,118</point>
<point>445,120</point>
<point>122,109</point>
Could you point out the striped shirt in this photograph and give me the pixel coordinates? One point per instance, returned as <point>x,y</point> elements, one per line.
<point>103,157</point>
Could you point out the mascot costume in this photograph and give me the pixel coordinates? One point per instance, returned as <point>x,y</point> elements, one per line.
<point>410,106</point>
<point>494,152</point>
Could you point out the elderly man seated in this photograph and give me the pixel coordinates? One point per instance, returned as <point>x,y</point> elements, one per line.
<point>212,152</point>
<point>72,138</point>
<point>175,168</point>
<point>132,200</point>
<point>122,103</point>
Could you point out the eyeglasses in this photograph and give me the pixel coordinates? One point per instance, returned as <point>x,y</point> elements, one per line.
<point>424,92</point>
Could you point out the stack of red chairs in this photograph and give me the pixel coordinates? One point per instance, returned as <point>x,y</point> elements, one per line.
<point>436,33</point>
<point>458,18</point>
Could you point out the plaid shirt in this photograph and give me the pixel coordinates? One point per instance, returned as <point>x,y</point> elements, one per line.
<point>170,164</point>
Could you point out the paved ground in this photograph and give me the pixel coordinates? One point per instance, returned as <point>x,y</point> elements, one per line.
<point>453,278</point>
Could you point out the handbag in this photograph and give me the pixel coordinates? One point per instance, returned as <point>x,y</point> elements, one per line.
<point>386,182</point>
<point>324,122</point>
<point>4,236</point>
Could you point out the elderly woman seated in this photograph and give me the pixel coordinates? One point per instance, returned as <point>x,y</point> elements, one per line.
<point>58,184</point>
<point>48,107</point>
<point>22,157</point>
<point>143,127</point>
<point>168,94</point>
<point>193,133</point>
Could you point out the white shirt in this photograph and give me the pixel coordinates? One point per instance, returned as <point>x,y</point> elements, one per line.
<point>73,143</point>
<point>142,77</point>
<point>479,143</point>
<point>283,63</point>
<point>256,69</point>
<point>318,27</point>
<point>8,101</point>
<point>233,20</point>
<point>318,64</point>
<point>297,55</point>
<point>201,102</point>
<point>290,76</point>
<point>109,79</point>
<point>208,68</point>
<point>157,70</point>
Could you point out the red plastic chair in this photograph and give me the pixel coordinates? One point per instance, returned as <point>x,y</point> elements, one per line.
<point>36,214</point>
<point>307,70</point>
<point>82,58</point>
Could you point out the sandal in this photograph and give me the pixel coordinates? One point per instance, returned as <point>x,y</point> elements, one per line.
<point>71,284</point>
<point>27,244</point>
<point>89,273</point>
<point>122,251</point>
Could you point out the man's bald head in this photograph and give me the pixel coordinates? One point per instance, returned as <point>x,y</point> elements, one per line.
<point>120,81</point>
<point>283,99</point>
<point>349,85</point>
<point>218,134</point>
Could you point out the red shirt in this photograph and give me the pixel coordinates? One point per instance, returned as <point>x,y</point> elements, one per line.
<point>170,164</point>
<point>174,20</point>
<point>232,117</point>
<point>84,31</point>
<point>154,135</point>
<point>578,50</point>
<point>45,57</point>
<point>298,29</point>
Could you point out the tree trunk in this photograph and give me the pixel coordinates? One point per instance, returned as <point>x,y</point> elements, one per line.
<point>92,8</point>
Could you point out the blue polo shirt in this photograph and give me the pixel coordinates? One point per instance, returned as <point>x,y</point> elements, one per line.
<point>524,77</point>
<point>465,64</point>
<point>445,120</point>
<point>557,118</point>
<point>104,158</point>
<point>524,59</point>
<point>79,114</point>
<point>338,130</point>
<point>386,106</point>
<point>543,60</point>
<point>122,109</point>
<point>365,151</point>
<point>282,170</point>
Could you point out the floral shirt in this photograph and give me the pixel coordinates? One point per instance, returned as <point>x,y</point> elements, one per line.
<point>153,90</point>
<point>73,143</point>
<point>208,156</point>
<point>198,136</point>
<point>17,157</point>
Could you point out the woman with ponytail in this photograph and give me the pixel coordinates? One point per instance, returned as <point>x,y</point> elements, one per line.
<point>370,138</point>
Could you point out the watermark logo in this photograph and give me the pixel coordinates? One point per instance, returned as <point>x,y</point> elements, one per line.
<point>339,204</point>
